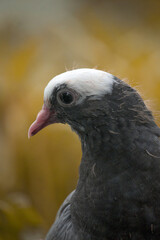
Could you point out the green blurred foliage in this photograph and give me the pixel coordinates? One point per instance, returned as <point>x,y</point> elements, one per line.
<point>38,40</point>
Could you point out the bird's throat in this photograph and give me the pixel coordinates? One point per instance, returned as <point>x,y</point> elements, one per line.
<point>98,168</point>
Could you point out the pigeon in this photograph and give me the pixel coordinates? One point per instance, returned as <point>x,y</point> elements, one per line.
<point>118,192</point>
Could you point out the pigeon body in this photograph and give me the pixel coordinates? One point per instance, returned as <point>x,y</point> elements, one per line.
<point>118,192</point>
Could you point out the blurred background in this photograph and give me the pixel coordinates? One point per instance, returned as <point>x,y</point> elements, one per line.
<point>38,40</point>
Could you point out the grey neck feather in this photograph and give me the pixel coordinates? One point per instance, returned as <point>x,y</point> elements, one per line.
<point>110,150</point>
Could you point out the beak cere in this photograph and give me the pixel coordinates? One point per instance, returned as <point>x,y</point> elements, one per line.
<point>44,118</point>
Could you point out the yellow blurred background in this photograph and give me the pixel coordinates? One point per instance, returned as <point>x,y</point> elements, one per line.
<point>38,40</point>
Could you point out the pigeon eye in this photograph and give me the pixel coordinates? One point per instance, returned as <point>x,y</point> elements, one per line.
<point>65,97</point>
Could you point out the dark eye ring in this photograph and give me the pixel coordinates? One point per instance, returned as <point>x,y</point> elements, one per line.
<point>65,97</point>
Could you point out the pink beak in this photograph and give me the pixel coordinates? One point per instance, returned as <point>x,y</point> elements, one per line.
<point>44,118</point>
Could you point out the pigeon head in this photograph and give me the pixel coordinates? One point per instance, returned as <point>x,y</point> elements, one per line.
<point>86,99</point>
<point>71,97</point>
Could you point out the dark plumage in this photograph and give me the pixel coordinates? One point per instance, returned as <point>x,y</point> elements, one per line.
<point>118,193</point>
